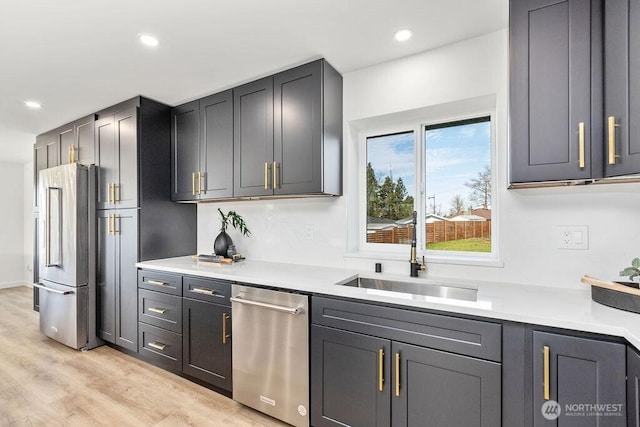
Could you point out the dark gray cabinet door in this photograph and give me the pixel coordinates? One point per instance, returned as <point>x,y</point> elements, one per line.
<point>346,386</point>
<point>298,130</point>
<point>216,153</point>
<point>67,138</point>
<point>126,307</point>
<point>106,160</point>
<point>45,155</point>
<point>253,138</point>
<point>107,278</point>
<point>83,151</point>
<point>126,137</point>
<point>581,371</point>
<point>622,86</point>
<point>633,388</point>
<point>185,151</point>
<point>444,388</point>
<point>206,342</point>
<point>554,82</point>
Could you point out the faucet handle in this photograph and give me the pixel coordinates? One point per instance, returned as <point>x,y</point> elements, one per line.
<point>423,266</point>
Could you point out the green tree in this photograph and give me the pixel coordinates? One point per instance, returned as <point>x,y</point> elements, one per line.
<point>373,188</point>
<point>386,196</point>
<point>481,188</point>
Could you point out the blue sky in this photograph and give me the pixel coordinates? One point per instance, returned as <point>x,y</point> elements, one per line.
<point>455,155</point>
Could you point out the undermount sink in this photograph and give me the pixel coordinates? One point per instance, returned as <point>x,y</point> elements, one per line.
<point>417,289</point>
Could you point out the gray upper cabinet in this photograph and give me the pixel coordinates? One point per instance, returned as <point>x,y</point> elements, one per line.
<point>572,370</point>
<point>555,90</point>
<point>71,143</point>
<point>288,133</point>
<point>622,86</point>
<point>308,130</point>
<point>253,138</point>
<point>202,148</point>
<point>116,156</point>
<point>185,151</point>
<point>574,88</point>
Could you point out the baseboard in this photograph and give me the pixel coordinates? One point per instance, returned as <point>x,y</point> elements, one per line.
<point>13,285</point>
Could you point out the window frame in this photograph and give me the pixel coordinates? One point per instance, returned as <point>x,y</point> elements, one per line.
<point>419,127</point>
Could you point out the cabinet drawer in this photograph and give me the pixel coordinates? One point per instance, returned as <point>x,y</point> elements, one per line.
<point>212,290</point>
<point>162,310</point>
<point>161,346</point>
<point>463,336</point>
<point>160,282</point>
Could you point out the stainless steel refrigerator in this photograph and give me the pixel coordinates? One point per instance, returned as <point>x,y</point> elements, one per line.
<point>67,255</point>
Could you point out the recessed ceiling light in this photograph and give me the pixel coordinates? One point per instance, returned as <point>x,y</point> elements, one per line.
<point>33,104</point>
<point>403,35</point>
<point>149,40</point>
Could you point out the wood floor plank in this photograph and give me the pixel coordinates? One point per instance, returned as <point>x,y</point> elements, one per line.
<point>44,383</point>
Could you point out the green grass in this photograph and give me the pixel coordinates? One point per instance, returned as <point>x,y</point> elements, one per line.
<point>468,245</point>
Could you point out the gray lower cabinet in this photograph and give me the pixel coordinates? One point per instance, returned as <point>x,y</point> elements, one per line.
<point>574,371</point>
<point>117,290</point>
<point>370,367</point>
<point>633,388</point>
<point>350,378</point>
<point>185,325</point>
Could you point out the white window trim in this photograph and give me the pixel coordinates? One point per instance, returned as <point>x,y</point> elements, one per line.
<point>401,251</point>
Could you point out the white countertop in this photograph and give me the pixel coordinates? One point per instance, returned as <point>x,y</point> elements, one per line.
<point>562,308</point>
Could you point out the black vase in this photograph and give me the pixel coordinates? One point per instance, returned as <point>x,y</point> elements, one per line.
<point>221,244</point>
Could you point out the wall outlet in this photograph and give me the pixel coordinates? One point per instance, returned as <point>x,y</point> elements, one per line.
<point>308,232</point>
<point>574,237</point>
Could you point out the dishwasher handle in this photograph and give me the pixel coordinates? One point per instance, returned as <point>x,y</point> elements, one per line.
<point>288,310</point>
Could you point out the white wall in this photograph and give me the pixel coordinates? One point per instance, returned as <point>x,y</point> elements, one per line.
<point>526,218</point>
<point>27,264</point>
<point>12,221</point>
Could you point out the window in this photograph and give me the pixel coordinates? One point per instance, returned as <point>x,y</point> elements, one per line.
<point>450,166</point>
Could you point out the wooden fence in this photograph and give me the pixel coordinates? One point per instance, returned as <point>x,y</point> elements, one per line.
<point>439,231</point>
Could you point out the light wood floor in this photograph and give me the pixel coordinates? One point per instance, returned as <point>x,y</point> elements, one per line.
<point>43,382</point>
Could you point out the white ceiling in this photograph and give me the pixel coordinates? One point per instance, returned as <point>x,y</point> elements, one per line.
<point>78,56</point>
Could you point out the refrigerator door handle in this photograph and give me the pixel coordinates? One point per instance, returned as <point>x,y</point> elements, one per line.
<point>53,227</point>
<point>55,291</point>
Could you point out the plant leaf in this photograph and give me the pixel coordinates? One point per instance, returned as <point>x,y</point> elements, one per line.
<point>636,262</point>
<point>630,271</point>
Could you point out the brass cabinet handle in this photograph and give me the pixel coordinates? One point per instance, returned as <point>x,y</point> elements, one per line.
<point>275,175</point>
<point>612,125</point>
<point>380,369</point>
<point>201,177</point>
<point>193,183</point>
<point>157,345</point>
<point>581,145</point>
<point>115,222</point>
<point>545,373</point>
<point>116,198</point>
<point>73,154</point>
<point>157,310</point>
<point>156,282</point>
<point>266,175</point>
<point>225,317</point>
<point>397,374</point>
<point>202,291</point>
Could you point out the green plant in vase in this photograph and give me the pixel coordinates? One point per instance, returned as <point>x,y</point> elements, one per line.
<point>223,240</point>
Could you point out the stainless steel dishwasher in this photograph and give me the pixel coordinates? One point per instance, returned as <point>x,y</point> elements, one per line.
<point>271,352</point>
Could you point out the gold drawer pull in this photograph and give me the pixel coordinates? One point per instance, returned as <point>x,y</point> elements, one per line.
<point>202,291</point>
<point>581,145</point>
<point>275,175</point>
<point>156,282</point>
<point>380,369</point>
<point>157,310</point>
<point>612,125</point>
<point>266,175</point>
<point>397,374</point>
<point>545,373</point>
<point>225,317</point>
<point>157,345</point>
